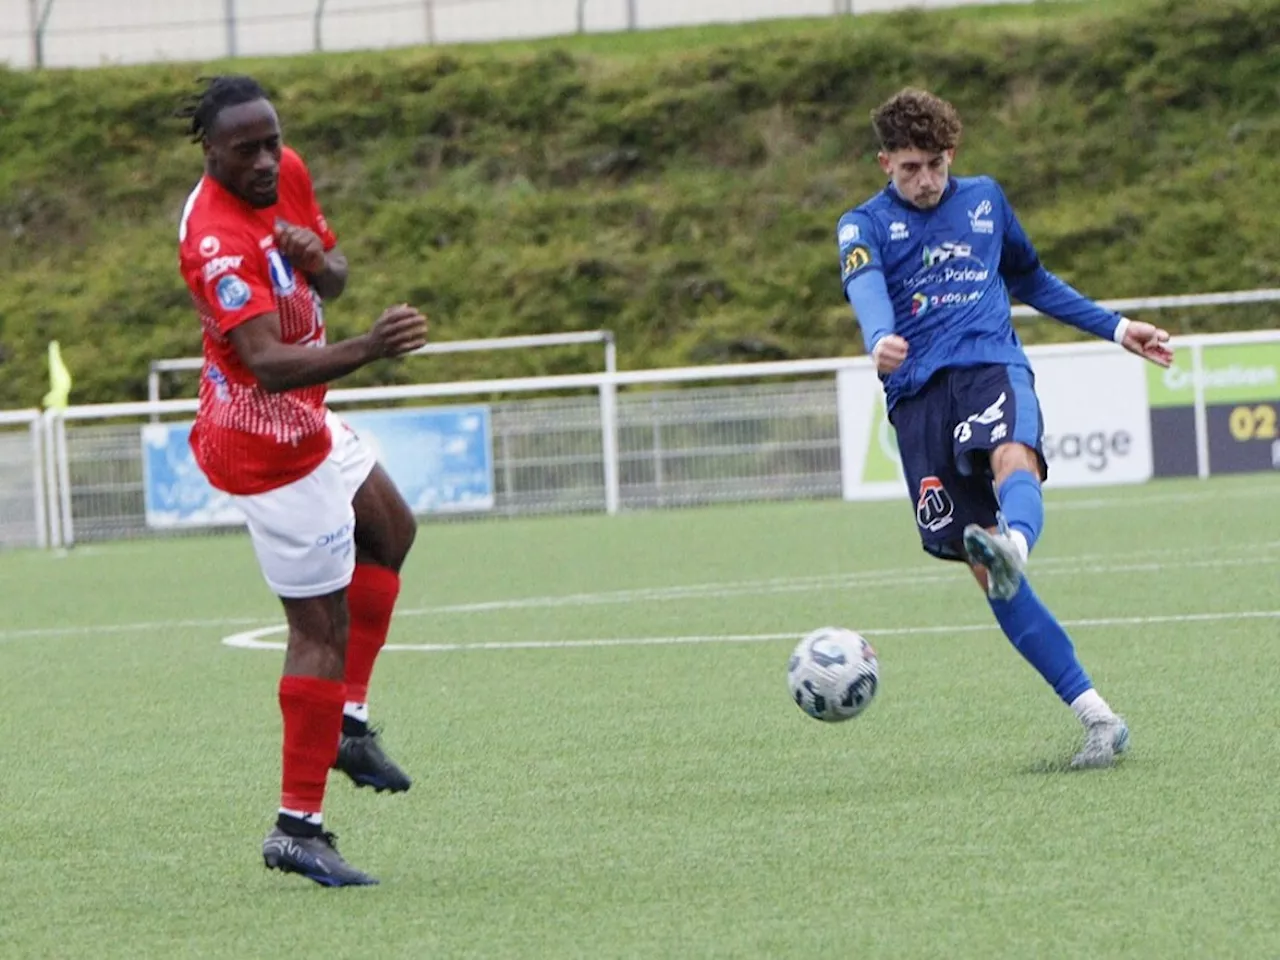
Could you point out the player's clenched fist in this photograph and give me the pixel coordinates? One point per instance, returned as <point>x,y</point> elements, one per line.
<point>400,330</point>
<point>301,246</point>
<point>889,352</point>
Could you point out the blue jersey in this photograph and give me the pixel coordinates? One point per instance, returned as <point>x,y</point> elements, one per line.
<point>941,280</point>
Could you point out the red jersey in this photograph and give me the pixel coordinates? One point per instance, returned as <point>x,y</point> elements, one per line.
<point>246,440</point>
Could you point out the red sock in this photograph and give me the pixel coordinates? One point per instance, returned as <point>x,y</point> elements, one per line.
<point>312,710</point>
<point>370,600</point>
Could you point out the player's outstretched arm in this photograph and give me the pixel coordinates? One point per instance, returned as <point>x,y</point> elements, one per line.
<point>1054,297</point>
<point>280,366</point>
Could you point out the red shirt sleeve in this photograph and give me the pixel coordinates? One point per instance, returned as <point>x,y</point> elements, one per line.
<point>225,268</point>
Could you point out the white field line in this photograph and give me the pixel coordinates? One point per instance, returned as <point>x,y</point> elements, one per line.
<point>252,639</point>
<point>902,578</point>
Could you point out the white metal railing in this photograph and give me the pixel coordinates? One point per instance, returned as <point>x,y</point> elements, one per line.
<point>58,480</point>
<point>1233,298</point>
<point>31,419</point>
<point>525,342</point>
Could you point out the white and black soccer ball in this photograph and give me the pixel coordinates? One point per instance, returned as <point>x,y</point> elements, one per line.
<point>833,674</point>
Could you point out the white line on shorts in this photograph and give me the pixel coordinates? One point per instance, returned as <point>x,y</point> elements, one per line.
<point>252,639</point>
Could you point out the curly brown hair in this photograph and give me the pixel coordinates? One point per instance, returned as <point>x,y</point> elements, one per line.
<point>916,119</point>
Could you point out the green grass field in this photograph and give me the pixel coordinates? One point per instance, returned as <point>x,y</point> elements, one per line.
<point>659,795</point>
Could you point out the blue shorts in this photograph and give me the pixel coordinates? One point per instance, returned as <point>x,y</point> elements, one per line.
<point>946,433</point>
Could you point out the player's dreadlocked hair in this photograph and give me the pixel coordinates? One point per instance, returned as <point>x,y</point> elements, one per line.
<point>202,109</point>
<point>916,119</point>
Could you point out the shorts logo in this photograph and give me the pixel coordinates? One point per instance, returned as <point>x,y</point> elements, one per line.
<point>210,246</point>
<point>857,259</point>
<point>337,542</point>
<point>233,293</point>
<point>281,273</point>
<point>934,506</point>
<point>993,414</point>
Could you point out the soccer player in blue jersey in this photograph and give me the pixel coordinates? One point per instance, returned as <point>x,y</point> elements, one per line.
<point>928,264</point>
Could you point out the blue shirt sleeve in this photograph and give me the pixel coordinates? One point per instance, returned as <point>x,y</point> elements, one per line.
<point>862,276</point>
<point>1030,282</point>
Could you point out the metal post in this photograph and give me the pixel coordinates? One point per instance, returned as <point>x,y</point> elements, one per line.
<point>610,353</point>
<point>1201,414</point>
<point>659,474</point>
<point>230,13</point>
<point>431,21</point>
<point>317,26</point>
<point>153,390</point>
<point>39,20</point>
<point>609,427</point>
<point>64,480</point>
<point>631,14</point>
<point>37,459</point>
<point>582,16</point>
<point>609,444</point>
<point>508,477</point>
<point>51,478</point>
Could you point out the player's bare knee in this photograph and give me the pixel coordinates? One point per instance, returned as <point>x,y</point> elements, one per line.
<point>1009,458</point>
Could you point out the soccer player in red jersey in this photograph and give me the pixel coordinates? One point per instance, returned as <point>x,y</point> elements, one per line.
<point>327,524</point>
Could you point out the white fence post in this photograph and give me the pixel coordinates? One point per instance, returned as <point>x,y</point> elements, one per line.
<point>1201,412</point>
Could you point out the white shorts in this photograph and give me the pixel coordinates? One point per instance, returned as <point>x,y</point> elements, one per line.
<point>304,532</point>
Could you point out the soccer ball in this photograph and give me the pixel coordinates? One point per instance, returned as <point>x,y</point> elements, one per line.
<point>833,674</point>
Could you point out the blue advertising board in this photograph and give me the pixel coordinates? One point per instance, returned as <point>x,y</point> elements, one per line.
<point>439,457</point>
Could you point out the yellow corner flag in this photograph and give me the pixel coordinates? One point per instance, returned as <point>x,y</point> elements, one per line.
<point>59,380</point>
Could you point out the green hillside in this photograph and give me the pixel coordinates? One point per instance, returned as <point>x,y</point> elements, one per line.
<point>680,188</point>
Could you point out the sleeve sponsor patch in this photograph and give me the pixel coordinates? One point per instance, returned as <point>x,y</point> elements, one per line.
<point>232,292</point>
<point>849,233</point>
<point>857,259</point>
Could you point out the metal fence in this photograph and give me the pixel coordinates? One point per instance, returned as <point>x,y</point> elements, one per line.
<point>624,440</point>
<point>674,447</point>
<point>22,484</point>
<point>86,33</point>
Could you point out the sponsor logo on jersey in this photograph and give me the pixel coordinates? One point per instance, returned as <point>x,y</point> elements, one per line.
<point>980,218</point>
<point>922,303</point>
<point>951,250</point>
<point>232,292</point>
<point>220,265</point>
<point>849,233</point>
<point>215,376</point>
<point>210,246</point>
<point>898,231</point>
<point>282,278</point>
<point>858,258</point>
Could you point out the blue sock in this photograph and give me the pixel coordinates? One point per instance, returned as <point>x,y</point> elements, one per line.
<point>1037,635</point>
<point>1022,504</point>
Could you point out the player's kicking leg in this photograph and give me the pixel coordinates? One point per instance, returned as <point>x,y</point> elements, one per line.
<point>303,534</point>
<point>384,532</point>
<point>998,557</point>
